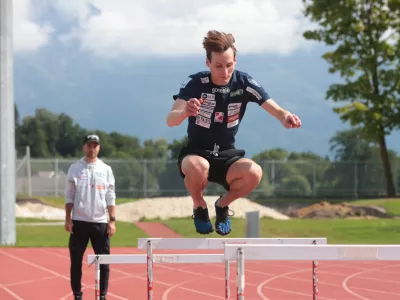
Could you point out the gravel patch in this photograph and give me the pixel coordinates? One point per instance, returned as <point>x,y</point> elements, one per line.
<point>162,208</point>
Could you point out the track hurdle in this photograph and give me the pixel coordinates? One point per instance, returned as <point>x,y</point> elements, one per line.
<point>189,244</point>
<point>266,252</point>
<point>214,244</point>
<point>99,259</point>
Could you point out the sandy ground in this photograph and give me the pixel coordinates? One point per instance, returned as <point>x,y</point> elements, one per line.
<point>38,210</point>
<point>163,208</point>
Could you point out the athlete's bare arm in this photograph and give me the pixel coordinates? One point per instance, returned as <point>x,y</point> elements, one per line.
<point>177,113</point>
<point>181,110</point>
<point>275,110</point>
<point>287,119</point>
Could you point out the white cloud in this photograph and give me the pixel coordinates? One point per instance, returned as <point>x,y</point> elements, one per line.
<point>177,27</point>
<point>27,35</point>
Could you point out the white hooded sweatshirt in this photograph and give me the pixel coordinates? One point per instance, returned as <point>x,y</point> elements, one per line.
<point>91,188</point>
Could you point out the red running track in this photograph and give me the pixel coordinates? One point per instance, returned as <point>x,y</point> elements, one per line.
<point>43,273</point>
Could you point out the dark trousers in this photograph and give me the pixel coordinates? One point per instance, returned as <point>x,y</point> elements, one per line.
<point>82,232</point>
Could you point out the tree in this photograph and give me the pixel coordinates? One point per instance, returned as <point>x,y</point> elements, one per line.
<point>17,120</point>
<point>366,36</point>
<point>357,167</point>
<point>349,145</point>
<point>48,123</point>
<point>32,135</point>
<point>175,147</point>
<point>70,135</point>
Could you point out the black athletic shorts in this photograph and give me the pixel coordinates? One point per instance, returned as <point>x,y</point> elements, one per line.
<point>219,162</point>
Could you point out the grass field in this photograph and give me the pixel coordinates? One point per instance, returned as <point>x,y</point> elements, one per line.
<point>336,231</point>
<point>381,231</point>
<point>56,236</point>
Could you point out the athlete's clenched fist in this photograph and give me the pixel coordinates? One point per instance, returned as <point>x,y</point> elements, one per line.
<point>192,106</point>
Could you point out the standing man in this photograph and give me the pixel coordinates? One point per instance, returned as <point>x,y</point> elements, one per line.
<point>215,102</point>
<point>90,196</point>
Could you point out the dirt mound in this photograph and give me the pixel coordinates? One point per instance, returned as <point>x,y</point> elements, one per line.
<point>326,210</point>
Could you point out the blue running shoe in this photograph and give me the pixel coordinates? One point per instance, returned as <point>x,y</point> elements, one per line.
<point>202,221</point>
<point>222,221</point>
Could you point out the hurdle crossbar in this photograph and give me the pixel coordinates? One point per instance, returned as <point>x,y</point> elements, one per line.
<point>214,244</point>
<point>218,243</point>
<point>157,258</point>
<point>305,252</point>
<point>316,252</point>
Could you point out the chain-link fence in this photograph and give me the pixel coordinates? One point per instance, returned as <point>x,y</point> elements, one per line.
<point>160,178</point>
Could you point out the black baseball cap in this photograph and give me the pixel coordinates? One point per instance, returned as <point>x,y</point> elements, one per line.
<point>91,138</point>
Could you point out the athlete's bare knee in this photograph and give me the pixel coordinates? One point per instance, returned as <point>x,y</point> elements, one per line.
<point>195,167</point>
<point>246,170</point>
<point>254,175</point>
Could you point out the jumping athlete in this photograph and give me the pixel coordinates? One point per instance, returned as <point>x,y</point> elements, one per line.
<point>215,102</point>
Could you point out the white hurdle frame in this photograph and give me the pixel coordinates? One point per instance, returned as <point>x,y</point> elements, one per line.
<point>214,244</point>
<point>190,244</point>
<point>305,252</point>
<point>100,259</point>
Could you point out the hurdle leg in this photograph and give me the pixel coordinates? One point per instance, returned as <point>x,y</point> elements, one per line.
<point>240,274</point>
<point>315,277</point>
<point>97,279</point>
<point>227,279</point>
<point>149,271</point>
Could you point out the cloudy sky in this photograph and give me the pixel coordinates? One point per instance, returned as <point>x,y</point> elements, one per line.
<point>110,29</point>
<point>124,48</point>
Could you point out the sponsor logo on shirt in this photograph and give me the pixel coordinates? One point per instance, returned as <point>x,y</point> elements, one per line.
<point>201,123</point>
<point>219,117</point>
<point>207,108</point>
<point>254,92</point>
<point>233,114</point>
<point>233,118</point>
<point>209,103</point>
<point>205,113</point>
<point>82,179</point>
<point>234,106</point>
<point>203,119</point>
<point>254,82</point>
<point>208,96</point>
<point>233,124</point>
<point>221,90</point>
<point>205,80</point>
<point>236,93</point>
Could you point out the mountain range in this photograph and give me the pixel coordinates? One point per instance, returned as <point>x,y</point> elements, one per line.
<point>133,95</point>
